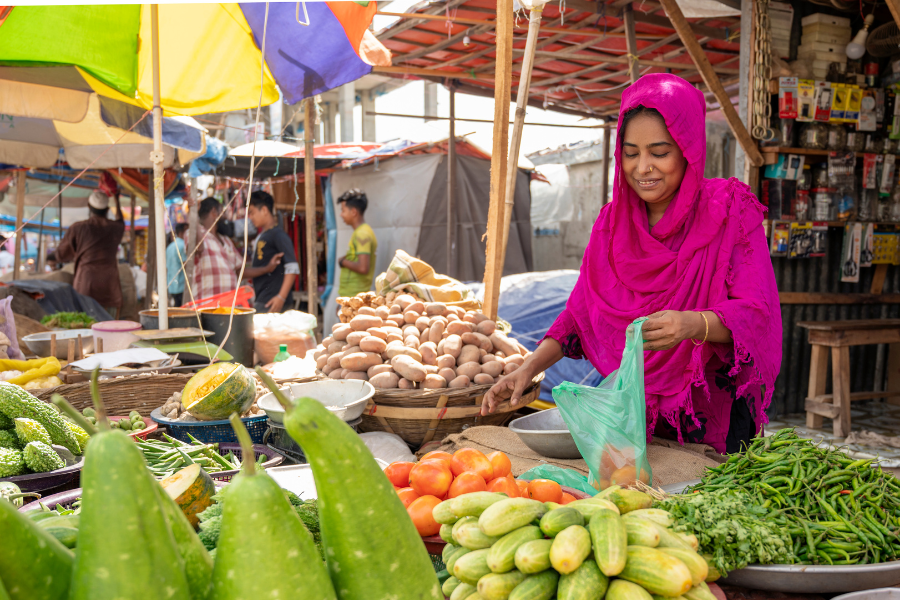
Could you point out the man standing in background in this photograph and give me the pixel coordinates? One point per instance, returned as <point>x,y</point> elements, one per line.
<point>216,262</point>
<point>274,266</point>
<point>358,265</point>
<point>175,257</point>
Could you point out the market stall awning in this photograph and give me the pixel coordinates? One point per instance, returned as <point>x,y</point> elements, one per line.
<point>210,57</point>
<point>272,159</point>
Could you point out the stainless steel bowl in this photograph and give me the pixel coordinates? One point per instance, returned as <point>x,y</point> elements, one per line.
<point>347,398</point>
<point>39,343</point>
<point>546,433</point>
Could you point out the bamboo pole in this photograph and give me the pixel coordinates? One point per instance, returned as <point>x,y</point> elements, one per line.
<point>309,182</point>
<point>493,268</point>
<point>20,217</point>
<point>451,183</point>
<point>158,198</point>
<point>534,26</point>
<point>193,223</point>
<point>631,42</point>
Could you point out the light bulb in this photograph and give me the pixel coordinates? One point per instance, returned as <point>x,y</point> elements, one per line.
<point>467,41</point>
<point>857,47</point>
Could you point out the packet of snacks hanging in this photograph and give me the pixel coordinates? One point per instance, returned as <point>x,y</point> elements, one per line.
<point>609,422</point>
<point>407,274</point>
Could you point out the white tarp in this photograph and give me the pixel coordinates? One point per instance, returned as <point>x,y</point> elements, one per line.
<point>397,190</point>
<point>551,202</point>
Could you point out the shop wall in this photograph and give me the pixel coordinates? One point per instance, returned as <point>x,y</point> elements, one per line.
<point>823,275</point>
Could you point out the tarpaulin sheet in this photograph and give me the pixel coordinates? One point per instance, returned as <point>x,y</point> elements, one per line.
<point>530,302</point>
<point>62,297</point>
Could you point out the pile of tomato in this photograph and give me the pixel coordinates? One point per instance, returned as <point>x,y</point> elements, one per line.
<point>441,475</point>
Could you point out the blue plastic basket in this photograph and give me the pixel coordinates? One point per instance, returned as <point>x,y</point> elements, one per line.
<point>210,432</point>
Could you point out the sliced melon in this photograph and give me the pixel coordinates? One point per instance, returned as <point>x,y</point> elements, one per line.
<point>192,489</point>
<point>219,390</point>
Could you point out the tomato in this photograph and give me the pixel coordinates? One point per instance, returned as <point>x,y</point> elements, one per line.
<point>421,511</point>
<point>407,496</point>
<point>473,461</point>
<point>523,487</point>
<point>431,478</point>
<point>398,473</point>
<point>504,485</point>
<point>467,483</point>
<point>438,455</point>
<point>566,498</point>
<point>545,490</point>
<point>500,463</point>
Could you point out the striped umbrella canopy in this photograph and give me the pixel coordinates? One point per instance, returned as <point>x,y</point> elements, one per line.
<point>211,55</point>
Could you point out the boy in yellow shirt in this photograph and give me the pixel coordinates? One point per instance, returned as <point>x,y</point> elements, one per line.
<point>358,265</point>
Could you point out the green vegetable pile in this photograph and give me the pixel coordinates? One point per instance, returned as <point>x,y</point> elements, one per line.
<point>211,519</point>
<point>166,457</point>
<point>68,320</point>
<point>837,511</point>
<point>732,530</point>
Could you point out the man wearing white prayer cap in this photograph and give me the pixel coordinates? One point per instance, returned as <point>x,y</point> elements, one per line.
<point>92,244</point>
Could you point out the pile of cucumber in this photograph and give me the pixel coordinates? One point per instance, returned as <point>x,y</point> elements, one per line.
<point>133,540</point>
<point>133,422</point>
<point>612,545</point>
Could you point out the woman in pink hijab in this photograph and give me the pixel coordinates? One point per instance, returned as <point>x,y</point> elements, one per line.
<point>687,252</point>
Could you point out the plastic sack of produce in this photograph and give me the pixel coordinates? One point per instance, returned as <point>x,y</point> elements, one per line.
<point>409,274</point>
<point>294,328</point>
<point>608,422</point>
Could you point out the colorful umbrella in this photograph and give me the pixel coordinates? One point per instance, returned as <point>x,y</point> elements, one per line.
<point>210,54</point>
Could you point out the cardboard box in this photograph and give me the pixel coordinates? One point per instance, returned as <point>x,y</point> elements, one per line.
<point>821,18</point>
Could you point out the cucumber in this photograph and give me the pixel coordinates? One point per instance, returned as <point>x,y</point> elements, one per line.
<point>474,503</point>
<point>700,591</point>
<point>453,557</point>
<point>536,587</point>
<point>469,535</point>
<point>447,551</point>
<point>451,584</point>
<point>693,561</point>
<point>689,539</point>
<point>619,589</point>
<point>198,564</point>
<point>67,536</point>
<point>124,540</point>
<point>629,500</point>
<point>33,563</point>
<point>584,583</point>
<point>463,591</point>
<point>502,556</point>
<point>371,546</point>
<point>656,572</point>
<point>713,574</point>
<point>463,521</point>
<point>658,597</point>
<point>591,506</point>
<point>443,514</point>
<point>556,520</point>
<point>509,514</point>
<point>471,567</point>
<point>284,559</point>
<point>642,532</point>
<point>533,557</point>
<point>498,586</point>
<point>669,539</point>
<point>570,547</point>
<point>610,541</point>
<point>662,517</point>
<point>446,534</point>
<point>475,596</point>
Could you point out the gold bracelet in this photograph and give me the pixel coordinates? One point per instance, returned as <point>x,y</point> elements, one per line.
<point>706,335</point>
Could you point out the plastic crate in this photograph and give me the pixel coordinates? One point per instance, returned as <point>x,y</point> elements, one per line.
<point>210,432</point>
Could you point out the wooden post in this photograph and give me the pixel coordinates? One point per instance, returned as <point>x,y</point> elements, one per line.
<point>534,25</point>
<point>151,245</point>
<point>20,218</point>
<point>493,268</point>
<point>712,81</point>
<point>894,6</point>
<point>39,263</point>
<point>631,42</point>
<point>193,223</point>
<point>451,184</point>
<point>132,252</point>
<point>309,181</point>
<point>158,196</point>
<point>604,178</point>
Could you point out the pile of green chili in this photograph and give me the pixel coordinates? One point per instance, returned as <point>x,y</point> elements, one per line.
<point>838,511</point>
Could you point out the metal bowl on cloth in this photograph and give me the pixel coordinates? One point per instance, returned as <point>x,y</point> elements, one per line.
<point>346,398</point>
<point>546,433</point>
<point>39,343</point>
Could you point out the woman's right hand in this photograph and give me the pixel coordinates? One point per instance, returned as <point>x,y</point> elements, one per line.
<point>509,387</point>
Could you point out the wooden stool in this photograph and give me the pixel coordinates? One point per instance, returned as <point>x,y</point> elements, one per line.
<point>839,336</point>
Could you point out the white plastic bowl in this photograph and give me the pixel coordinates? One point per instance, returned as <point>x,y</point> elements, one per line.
<point>116,335</point>
<point>347,398</point>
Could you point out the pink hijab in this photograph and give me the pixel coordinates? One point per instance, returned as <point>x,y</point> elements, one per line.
<point>708,252</point>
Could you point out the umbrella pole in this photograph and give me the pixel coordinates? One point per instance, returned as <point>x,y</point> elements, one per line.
<point>159,198</point>
<point>20,217</point>
<point>309,197</point>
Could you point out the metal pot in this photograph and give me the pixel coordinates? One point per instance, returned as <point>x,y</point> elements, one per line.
<point>240,340</point>
<point>178,317</point>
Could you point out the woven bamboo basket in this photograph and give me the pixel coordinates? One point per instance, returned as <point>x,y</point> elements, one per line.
<point>419,416</point>
<point>122,394</point>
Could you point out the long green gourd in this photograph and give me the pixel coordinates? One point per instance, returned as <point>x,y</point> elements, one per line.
<point>3,594</point>
<point>125,545</point>
<point>264,551</point>
<point>33,564</point>
<point>198,564</point>
<point>371,546</point>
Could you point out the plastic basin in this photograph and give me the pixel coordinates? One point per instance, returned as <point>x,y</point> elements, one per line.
<point>116,335</point>
<point>345,398</point>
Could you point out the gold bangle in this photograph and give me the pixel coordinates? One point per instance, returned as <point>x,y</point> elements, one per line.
<point>706,335</point>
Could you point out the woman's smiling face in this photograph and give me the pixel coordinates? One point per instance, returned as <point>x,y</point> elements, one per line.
<point>651,160</point>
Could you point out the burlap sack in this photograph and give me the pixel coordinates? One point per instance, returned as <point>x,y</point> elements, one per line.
<point>671,462</point>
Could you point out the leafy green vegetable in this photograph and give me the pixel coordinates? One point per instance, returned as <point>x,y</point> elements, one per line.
<point>68,320</point>
<point>731,529</point>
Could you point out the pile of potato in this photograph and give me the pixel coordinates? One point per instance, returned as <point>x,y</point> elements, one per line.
<point>408,344</point>
<point>350,306</point>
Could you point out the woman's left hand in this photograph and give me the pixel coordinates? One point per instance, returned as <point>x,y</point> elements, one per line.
<point>668,328</point>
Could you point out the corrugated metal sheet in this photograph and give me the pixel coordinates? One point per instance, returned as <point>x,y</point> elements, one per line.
<point>823,275</point>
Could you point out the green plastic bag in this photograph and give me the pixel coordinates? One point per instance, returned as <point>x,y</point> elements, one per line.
<point>565,477</point>
<point>609,422</point>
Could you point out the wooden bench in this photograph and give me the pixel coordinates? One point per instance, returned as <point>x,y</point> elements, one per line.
<point>839,336</point>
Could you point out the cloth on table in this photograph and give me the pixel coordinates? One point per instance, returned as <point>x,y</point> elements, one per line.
<point>670,461</point>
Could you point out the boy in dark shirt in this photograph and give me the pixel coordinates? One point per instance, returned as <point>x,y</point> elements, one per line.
<point>271,284</point>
